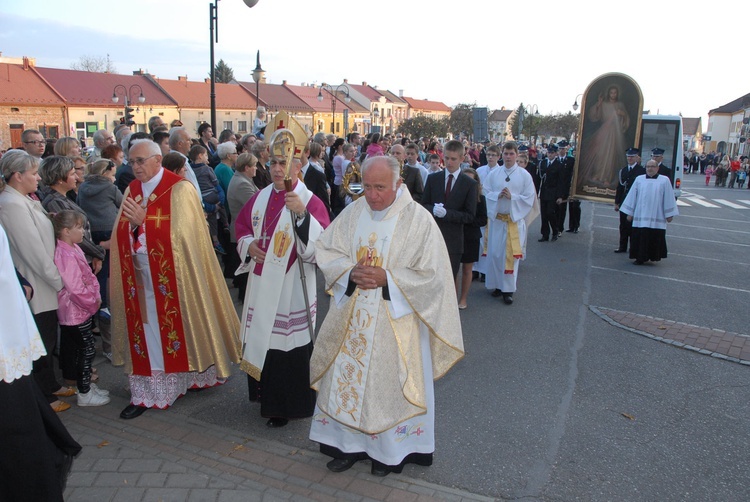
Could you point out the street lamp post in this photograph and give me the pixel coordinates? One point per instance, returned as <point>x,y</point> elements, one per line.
<point>531,110</point>
<point>213,23</point>
<point>575,103</point>
<point>333,91</point>
<point>258,74</point>
<point>127,93</point>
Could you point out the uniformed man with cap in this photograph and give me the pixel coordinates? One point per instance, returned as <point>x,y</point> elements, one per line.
<point>551,192</point>
<point>658,155</point>
<point>626,178</point>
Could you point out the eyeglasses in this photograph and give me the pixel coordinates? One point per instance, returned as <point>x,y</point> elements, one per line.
<point>38,143</point>
<point>139,161</point>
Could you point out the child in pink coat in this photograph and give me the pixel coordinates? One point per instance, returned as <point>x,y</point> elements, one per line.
<point>78,301</point>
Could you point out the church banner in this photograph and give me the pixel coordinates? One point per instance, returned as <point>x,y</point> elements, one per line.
<point>611,112</point>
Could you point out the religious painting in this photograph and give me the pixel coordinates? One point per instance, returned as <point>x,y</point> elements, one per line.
<point>611,112</point>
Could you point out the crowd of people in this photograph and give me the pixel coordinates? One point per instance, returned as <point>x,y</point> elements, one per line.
<point>135,243</point>
<point>724,169</point>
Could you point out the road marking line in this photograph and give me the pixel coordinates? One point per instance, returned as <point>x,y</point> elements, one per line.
<point>737,290</point>
<point>730,204</point>
<point>682,203</point>
<point>702,202</point>
<point>744,201</point>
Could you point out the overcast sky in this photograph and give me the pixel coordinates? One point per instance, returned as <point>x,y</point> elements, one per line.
<point>540,53</point>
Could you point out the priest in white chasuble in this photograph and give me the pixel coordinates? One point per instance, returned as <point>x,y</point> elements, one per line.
<point>391,329</point>
<point>174,324</point>
<point>276,319</point>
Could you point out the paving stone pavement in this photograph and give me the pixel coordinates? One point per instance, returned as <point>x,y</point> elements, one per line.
<point>169,457</point>
<point>733,347</point>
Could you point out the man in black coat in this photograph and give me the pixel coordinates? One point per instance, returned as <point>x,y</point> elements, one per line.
<point>411,175</point>
<point>626,178</point>
<point>552,191</point>
<point>574,205</point>
<point>451,197</point>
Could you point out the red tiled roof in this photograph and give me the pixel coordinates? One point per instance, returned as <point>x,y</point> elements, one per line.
<point>424,104</point>
<point>277,97</point>
<point>95,89</point>
<point>309,95</point>
<point>392,97</point>
<point>367,91</point>
<point>25,87</point>
<point>189,94</point>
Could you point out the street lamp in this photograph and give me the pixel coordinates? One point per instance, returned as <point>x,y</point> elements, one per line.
<point>213,20</point>
<point>258,74</point>
<point>575,103</point>
<point>375,115</point>
<point>127,93</point>
<point>333,91</point>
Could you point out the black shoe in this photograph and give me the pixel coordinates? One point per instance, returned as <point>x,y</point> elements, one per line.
<point>637,262</point>
<point>277,422</point>
<point>482,277</point>
<point>341,464</point>
<point>620,250</point>
<point>508,298</point>
<point>570,230</point>
<point>381,470</point>
<point>543,239</point>
<point>497,293</point>
<point>575,231</point>
<point>132,411</point>
<point>554,238</point>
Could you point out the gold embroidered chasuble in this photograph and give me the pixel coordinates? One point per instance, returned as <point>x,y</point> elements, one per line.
<point>209,320</point>
<point>389,360</point>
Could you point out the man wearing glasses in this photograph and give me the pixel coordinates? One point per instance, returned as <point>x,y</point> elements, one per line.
<point>174,324</point>
<point>33,142</point>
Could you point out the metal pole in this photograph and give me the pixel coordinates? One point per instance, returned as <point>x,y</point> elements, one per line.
<point>213,17</point>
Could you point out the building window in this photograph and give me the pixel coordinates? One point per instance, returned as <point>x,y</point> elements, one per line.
<point>338,127</point>
<point>90,114</point>
<point>242,126</point>
<point>198,124</point>
<point>227,125</point>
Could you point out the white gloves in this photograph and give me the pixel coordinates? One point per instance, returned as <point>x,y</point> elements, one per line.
<point>438,210</point>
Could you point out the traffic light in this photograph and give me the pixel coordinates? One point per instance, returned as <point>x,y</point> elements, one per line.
<point>129,116</point>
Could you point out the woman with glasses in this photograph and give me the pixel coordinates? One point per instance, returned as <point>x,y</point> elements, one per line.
<point>32,244</point>
<point>59,175</point>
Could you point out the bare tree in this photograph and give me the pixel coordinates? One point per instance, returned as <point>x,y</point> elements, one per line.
<point>96,64</point>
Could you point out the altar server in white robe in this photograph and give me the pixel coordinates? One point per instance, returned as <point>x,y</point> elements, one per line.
<point>493,156</point>
<point>511,199</point>
<point>650,205</point>
<point>391,329</point>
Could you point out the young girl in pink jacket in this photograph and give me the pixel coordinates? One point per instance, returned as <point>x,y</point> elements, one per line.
<point>78,301</point>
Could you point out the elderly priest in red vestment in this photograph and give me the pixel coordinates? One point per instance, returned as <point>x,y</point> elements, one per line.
<point>174,325</point>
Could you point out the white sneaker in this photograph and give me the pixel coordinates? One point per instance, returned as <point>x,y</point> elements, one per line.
<point>91,398</point>
<point>101,392</point>
<point>108,355</point>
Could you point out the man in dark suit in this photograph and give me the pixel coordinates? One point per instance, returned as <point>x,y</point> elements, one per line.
<point>451,197</point>
<point>551,192</point>
<point>411,175</point>
<point>626,178</point>
<point>315,180</point>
